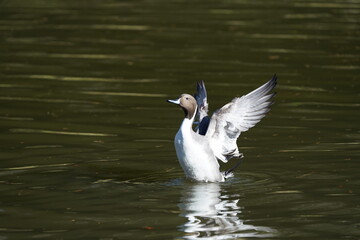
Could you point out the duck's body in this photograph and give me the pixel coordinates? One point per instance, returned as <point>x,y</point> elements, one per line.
<point>195,155</point>
<point>198,152</point>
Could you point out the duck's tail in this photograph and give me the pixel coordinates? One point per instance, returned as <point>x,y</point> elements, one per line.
<point>229,173</point>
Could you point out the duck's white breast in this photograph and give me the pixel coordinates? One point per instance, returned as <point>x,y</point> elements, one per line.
<point>196,158</point>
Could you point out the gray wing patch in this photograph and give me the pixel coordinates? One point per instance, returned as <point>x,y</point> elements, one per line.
<point>236,117</point>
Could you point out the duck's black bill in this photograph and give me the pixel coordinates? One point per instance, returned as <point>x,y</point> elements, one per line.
<point>177,101</point>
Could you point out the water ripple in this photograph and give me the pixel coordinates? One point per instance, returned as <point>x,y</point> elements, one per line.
<point>47,100</point>
<point>127,94</point>
<point>86,79</point>
<point>89,134</point>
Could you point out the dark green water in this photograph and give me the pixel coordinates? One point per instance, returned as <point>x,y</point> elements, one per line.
<point>86,137</point>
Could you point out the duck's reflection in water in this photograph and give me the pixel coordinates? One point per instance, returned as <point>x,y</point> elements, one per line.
<point>213,215</point>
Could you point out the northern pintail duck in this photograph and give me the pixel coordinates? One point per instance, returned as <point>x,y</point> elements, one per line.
<point>215,138</point>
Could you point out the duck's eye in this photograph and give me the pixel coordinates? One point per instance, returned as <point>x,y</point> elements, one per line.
<point>187,98</point>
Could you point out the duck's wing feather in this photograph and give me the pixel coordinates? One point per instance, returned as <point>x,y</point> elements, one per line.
<point>203,106</point>
<point>238,116</point>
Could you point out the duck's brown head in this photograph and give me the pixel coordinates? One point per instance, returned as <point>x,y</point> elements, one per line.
<point>187,103</point>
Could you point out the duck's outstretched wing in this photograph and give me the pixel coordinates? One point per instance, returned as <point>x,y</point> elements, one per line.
<point>203,106</point>
<point>236,117</point>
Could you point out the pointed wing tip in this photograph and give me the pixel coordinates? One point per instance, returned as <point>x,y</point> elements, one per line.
<point>201,82</point>
<point>200,85</point>
<point>271,84</point>
<point>274,80</point>
<point>200,91</point>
